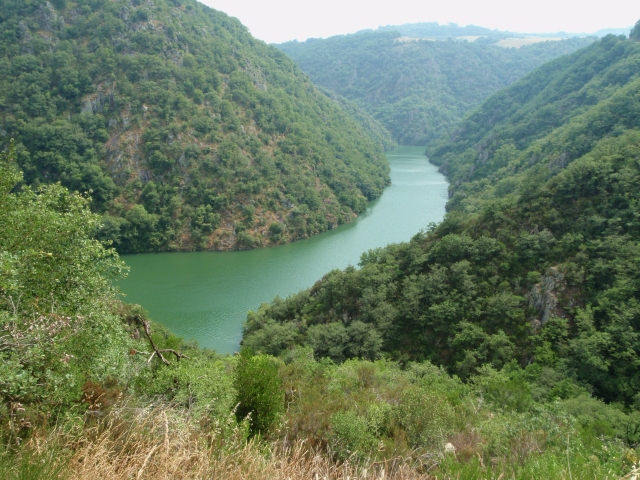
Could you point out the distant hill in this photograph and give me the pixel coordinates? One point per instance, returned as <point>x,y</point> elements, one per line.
<point>416,87</point>
<point>537,262</point>
<point>452,30</point>
<point>187,132</point>
<point>435,30</point>
<point>544,114</point>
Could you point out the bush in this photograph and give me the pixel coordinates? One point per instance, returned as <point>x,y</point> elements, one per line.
<point>260,394</point>
<point>351,437</point>
<point>427,418</point>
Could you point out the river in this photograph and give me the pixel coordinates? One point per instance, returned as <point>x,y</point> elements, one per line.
<point>206,295</point>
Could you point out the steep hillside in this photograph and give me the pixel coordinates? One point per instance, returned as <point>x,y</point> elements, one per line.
<point>418,89</point>
<point>121,398</point>
<point>547,120</point>
<point>188,132</point>
<point>537,262</point>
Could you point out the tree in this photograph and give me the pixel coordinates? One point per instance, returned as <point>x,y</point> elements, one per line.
<point>56,321</point>
<point>260,392</point>
<point>635,32</point>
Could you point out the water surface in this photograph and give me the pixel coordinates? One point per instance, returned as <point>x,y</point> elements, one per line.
<point>206,295</point>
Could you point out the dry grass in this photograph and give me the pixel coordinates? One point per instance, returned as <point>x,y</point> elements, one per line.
<point>160,444</point>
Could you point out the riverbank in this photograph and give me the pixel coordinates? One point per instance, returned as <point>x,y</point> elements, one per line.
<point>206,295</point>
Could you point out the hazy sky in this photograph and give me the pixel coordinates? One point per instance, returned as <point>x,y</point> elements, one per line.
<point>281,20</point>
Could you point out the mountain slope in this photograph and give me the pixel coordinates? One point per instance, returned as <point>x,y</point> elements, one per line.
<point>124,395</point>
<point>553,116</point>
<point>189,133</point>
<point>418,89</point>
<point>537,262</point>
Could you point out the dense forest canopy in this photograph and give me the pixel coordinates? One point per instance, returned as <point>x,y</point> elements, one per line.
<point>538,259</point>
<point>418,89</point>
<point>187,132</point>
<point>91,388</point>
<point>527,292</point>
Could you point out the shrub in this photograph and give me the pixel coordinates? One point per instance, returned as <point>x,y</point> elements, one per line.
<point>260,395</point>
<point>427,418</point>
<point>351,437</point>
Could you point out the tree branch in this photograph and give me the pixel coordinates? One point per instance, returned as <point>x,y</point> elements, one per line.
<point>156,350</point>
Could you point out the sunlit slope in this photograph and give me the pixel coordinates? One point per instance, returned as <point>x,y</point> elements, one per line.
<point>539,125</point>
<point>188,132</point>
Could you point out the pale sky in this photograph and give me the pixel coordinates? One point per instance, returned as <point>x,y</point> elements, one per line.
<point>276,21</point>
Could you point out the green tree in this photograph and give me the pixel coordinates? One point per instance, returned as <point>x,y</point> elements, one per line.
<point>635,32</point>
<point>100,106</point>
<point>259,391</point>
<point>56,298</point>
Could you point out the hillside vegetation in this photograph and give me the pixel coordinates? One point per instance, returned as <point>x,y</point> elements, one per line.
<point>187,132</point>
<point>537,260</point>
<point>531,299</point>
<point>481,34</point>
<point>450,30</point>
<point>418,89</point>
<point>90,388</point>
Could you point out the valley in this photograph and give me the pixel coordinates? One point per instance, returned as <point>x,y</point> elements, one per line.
<point>420,81</point>
<point>206,295</point>
<point>211,267</point>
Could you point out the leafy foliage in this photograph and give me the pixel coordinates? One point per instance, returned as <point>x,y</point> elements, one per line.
<point>560,111</point>
<point>528,292</point>
<point>420,88</point>
<point>55,300</point>
<point>178,122</point>
<point>95,377</point>
<point>377,411</point>
<point>536,261</point>
<point>260,395</point>
<point>635,32</point>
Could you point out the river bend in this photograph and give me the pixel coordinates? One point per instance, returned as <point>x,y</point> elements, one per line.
<point>206,295</point>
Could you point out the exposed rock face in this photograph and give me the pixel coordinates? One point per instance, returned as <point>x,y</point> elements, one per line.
<point>544,295</point>
<point>560,162</point>
<point>48,18</point>
<point>96,102</point>
<point>27,40</point>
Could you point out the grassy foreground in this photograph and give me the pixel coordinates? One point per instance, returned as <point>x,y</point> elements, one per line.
<point>358,420</point>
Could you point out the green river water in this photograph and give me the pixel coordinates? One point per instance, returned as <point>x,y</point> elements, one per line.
<point>206,295</point>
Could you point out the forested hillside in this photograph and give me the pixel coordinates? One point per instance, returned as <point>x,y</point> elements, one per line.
<point>481,34</point>
<point>537,262</point>
<point>528,292</point>
<point>451,30</point>
<point>418,89</point>
<point>91,388</point>
<point>553,116</point>
<point>186,132</point>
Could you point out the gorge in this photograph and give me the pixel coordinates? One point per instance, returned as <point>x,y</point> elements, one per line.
<point>206,295</point>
